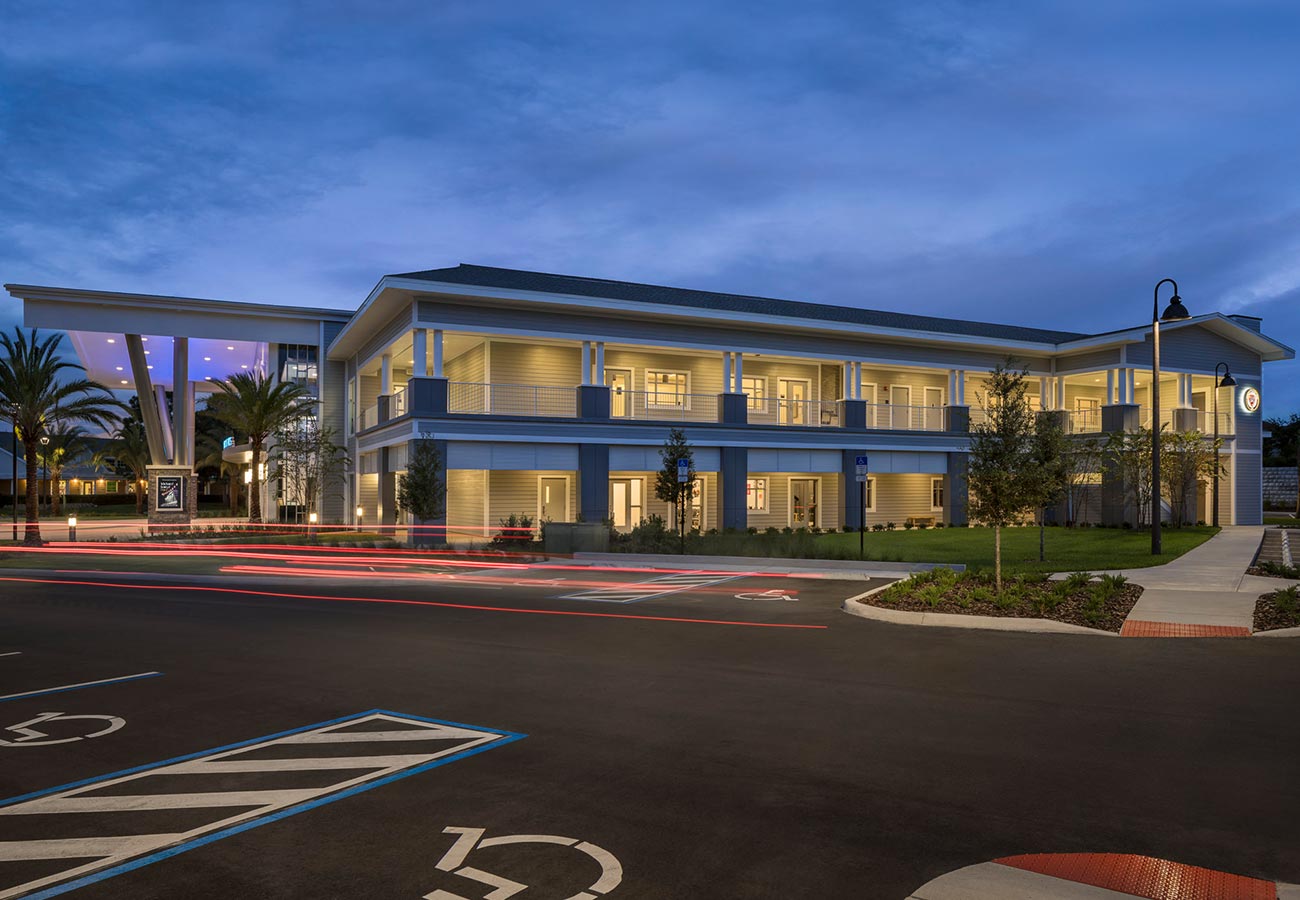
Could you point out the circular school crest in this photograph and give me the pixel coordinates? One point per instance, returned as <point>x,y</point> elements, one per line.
<point>1250,400</point>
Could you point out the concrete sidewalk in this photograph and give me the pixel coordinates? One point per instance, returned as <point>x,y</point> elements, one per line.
<point>1219,564</point>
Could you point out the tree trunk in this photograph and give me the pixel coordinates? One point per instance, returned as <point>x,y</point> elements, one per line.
<point>54,492</point>
<point>32,531</point>
<point>1042,534</point>
<point>233,487</point>
<point>997,558</point>
<point>255,488</point>
<point>139,498</point>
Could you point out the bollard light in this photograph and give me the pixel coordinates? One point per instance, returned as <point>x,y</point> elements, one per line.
<point>72,528</point>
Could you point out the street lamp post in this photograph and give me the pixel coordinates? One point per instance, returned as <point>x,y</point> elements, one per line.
<point>13,481</point>
<point>45,477</point>
<point>1173,312</point>
<point>1228,381</point>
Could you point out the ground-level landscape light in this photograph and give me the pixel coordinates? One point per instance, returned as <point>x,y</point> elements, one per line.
<point>72,528</point>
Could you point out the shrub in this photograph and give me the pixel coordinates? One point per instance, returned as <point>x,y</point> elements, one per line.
<point>890,526</point>
<point>1278,570</point>
<point>938,525</point>
<point>1012,595</point>
<point>1287,600</point>
<point>513,531</point>
<point>878,527</point>
<point>651,535</point>
<point>982,594</point>
<point>1077,581</point>
<point>908,526</point>
<point>1114,583</point>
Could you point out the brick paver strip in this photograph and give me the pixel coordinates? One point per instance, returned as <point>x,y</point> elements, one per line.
<point>1144,876</point>
<point>1138,628</point>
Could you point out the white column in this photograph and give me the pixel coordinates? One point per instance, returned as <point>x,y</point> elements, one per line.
<point>728,382</point>
<point>386,374</point>
<point>168,428</point>
<point>1060,392</point>
<point>189,424</point>
<point>952,387</point>
<point>1132,386</point>
<point>740,372</point>
<point>437,353</point>
<point>420,353</point>
<point>1110,387</point>
<point>857,381</point>
<point>1044,397</point>
<point>600,362</point>
<point>848,380</point>
<point>586,362</point>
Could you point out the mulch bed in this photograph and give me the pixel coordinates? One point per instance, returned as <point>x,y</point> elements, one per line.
<point>1269,616</point>
<point>959,598</point>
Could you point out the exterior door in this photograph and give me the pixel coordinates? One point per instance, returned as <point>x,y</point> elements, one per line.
<point>792,394</point>
<point>803,502</point>
<point>625,502</point>
<point>900,407</point>
<point>619,382</point>
<point>697,507</point>
<point>934,409</point>
<point>552,499</point>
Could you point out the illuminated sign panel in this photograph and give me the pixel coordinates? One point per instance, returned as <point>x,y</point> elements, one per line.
<point>1250,400</point>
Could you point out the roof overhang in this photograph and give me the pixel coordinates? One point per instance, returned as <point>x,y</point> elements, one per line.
<point>1269,350</point>
<point>392,293</point>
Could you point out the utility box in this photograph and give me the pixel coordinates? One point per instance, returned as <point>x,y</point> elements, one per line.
<point>566,538</point>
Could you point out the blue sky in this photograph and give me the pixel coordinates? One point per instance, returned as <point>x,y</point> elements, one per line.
<point>1043,163</point>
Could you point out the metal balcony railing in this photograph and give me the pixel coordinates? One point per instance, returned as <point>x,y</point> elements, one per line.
<point>369,417</point>
<point>397,405</point>
<point>663,406</point>
<point>1083,421</point>
<point>799,413</point>
<point>511,399</point>
<point>897,417</point>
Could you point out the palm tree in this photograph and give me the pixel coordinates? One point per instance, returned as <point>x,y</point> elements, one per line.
<point>254,405</point>
<point>37,395</point>
<point>130,451</point>
<point>67,445</point>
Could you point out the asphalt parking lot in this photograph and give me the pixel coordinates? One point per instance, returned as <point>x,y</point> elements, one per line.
<point>581,733</point>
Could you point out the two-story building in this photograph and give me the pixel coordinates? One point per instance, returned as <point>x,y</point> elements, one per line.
<point>549,396</point>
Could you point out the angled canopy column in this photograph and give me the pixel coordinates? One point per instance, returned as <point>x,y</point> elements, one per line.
<point>148,405</point>
<point>164,423</point>
<point>182,411</point>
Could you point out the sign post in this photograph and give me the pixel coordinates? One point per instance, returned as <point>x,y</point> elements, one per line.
<point>683,477</point>
<point>860,470</point>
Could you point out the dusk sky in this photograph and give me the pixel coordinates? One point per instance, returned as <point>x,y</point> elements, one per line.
<point>1036,163</point>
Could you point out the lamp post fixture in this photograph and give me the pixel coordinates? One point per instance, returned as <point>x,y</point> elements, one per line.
<point>1173,312</point>
<point>45,442</point>
<point>13,452</point>
<point>1228,381</point>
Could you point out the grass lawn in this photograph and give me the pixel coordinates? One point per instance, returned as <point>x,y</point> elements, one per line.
<point>172,563</point>
<point>1068,549</point>
<point>1280,519</point>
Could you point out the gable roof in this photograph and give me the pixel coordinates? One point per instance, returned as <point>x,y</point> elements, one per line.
<point>743,304</point>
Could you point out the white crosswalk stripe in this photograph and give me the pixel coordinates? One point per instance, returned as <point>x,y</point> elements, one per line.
<point>655,587</point>
<point>375,757</point>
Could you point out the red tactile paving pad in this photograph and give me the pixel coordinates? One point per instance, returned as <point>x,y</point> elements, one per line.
<point>1138,628</point>
<point>1144,876</point>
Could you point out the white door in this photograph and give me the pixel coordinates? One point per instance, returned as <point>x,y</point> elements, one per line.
<point>619,382</point>
<point>552,499</point>
<point>625,504</point>
<point>803,502</point>
<point>900,407</point>
<point>792,394</point>
<point>934,409</point>
<point>869,395</point>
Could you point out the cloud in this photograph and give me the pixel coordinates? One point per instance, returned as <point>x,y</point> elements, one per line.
<point>1035,163</point>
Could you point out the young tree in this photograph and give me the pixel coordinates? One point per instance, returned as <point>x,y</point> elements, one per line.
<point>422,491</point>
<point>1128,457</point>
<point>255,405</point>
<point>667,487</point>
<point>1049,472</point>
<point>1083,461</point>
<point>1003,478</point>
<point>38,391</point>
<point>1186,457</point>
<point>308,463</point>
<point>1283,446</point>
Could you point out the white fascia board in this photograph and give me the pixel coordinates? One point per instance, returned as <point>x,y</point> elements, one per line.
<point>194,304</point>
<point>382,298</point>
<point>783,323</point>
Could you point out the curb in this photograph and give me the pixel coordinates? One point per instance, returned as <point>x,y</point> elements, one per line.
<point>832,569</point>
<point>955,620</point>
<point>1278,633</point>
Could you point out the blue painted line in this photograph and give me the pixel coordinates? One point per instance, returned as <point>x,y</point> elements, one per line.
<point>507,737</point>
<point>77,687</point>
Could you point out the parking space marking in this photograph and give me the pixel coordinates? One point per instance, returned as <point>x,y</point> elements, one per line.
<point>376,758</point>
<point>12,653</point>
<point>655,587</point>
<point>72,687</point>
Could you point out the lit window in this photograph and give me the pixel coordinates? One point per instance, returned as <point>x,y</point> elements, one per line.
<point>936,494</point>
<point>666,388</point>
<point>756,494</point>
<point>756,388</point>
